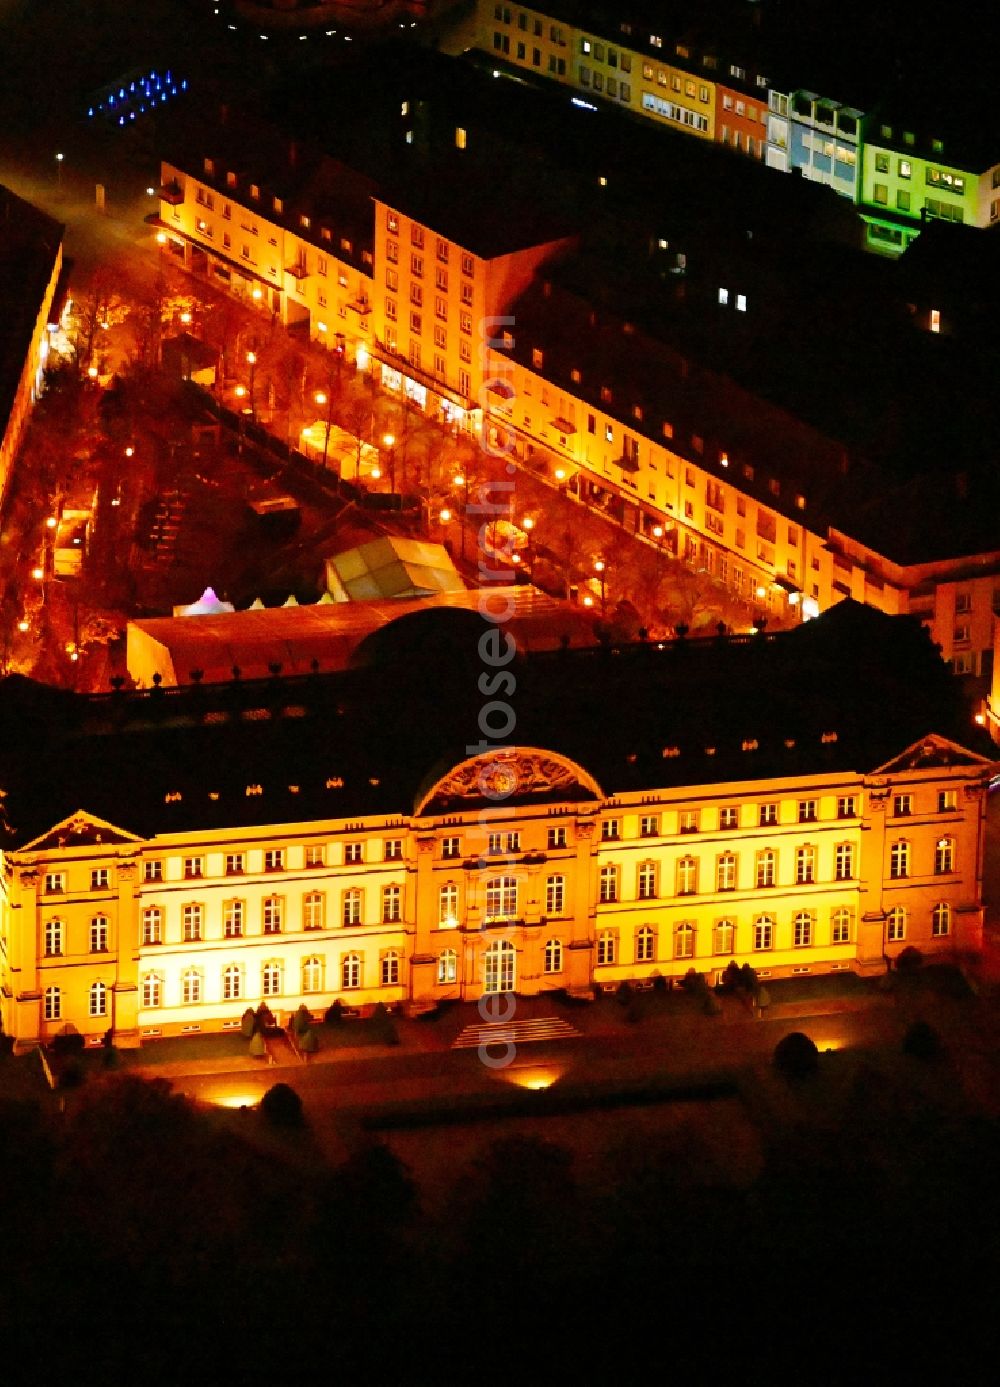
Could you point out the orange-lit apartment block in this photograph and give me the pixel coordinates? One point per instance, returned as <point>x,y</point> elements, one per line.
<point>518,870</point>
<point>440,295</point>
<point>291,234</point>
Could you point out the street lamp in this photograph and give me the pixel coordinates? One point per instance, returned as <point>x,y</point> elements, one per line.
<point>252,363</point>
<point>322,398</point>
<point>389,439</point>
<point>59,164</point>
<point>462,481</point>
<point>528,525</point>
<point>599,569</point>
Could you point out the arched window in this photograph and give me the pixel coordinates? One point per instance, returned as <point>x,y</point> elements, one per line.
<point>232,982</point>
<point>152,925</point>
<point>97,1002</point>
<point>53,1004</point>
<point>312,910</point>
<point>895,924</point>
<point>802,930</point>
<point>447,966</point>
<point>499,967</point>
<point>99,934</point>
<point>899,860</point>
<point>270,979</point>
<point>725,872</point>
<point>553,956</point>
<point>312,974</point>
<point>684,940</point>
<point>941,920</point>
<point>501,898</point>
<point>944,856</point>
<point>190,986</point>
<point>448,905</point>
<point>724,937</point>
<point>53,938</point>
<point>389,969</point>
<point>555,895</point>
<point>350,971</point>
<point>192,917</point>
<point>763,932</point>
<point>233,918</point>
<point>351,912</point>
<point>687,876</point>
<point>645,945</point>
<point>606,947</point>
<point>152,990</point>
<point>840,925</point>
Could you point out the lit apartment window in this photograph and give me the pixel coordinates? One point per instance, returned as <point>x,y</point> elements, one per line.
<point>152,925</point>
<point>688,820</point>
<point>941,920</point>
<point>555,895</point>
<point>99,934</point>
<point>944,856</point>
<point>447,970</point>
<point>947,801</point>
<point>233,917</point>
<point>899,860</point>
<point>273,911</point>
<point>725,872</point>
<point>895,925</point>
<point>935,321</point>
<point>902,805</point>
<point>53,939</point>
<point>802,930</point>
<point>461,137</point>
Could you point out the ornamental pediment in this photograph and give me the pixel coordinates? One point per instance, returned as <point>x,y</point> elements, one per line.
<point>80,830</point>
<point>508,774</point>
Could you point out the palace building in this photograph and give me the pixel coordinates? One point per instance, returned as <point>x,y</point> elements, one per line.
<point>398,832</point>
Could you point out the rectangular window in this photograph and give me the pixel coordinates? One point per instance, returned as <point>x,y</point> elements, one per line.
<point>611,830</point>
<point>393,850</point>
<point>649,826</point>
<point>273,914</point>
<point>847,807</point>
<point>274,860</point>
<point>451,847</point>
<point>315,855</point>
<point>609,885</point>
<point>392,904</point>
<point>768,815</point>
<point>152,871</point>
<point>688,820</point>
<point>902,805</point>
<point>351,908</point>
<point>947,801</point>
<point>194,867</point>
<point>729,817</point>
<point>99,879</point>
<point>808,811</point>
<point>353,853</point>
<point>556,838</point>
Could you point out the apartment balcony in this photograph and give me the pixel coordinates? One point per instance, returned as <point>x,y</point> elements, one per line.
<point>297,270</point>
<point>172,193</point>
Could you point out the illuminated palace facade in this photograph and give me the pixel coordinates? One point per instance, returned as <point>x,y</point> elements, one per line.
<point>307,860</point>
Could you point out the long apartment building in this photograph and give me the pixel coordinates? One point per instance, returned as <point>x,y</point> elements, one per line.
<point>789,519</point>
<point>301,840</point>
<point>737,81</point>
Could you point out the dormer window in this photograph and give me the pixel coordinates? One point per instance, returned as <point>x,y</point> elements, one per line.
<point>279,206</point>
<point>209,167</point>
<point>304,222</point>
<point>230,180</point>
